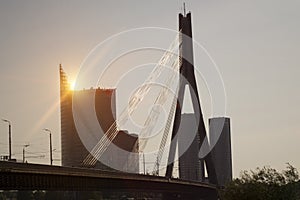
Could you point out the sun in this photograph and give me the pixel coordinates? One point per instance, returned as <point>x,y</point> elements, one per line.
<point>72,85</point>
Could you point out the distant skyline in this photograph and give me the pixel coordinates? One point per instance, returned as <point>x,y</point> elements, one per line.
<point>254,43</point>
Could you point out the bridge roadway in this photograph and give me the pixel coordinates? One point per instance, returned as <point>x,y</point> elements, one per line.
<point>23,176</point>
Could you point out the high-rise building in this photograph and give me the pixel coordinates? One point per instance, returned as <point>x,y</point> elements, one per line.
<point>188,148</point>
<point>123,150</point>
<point>220,142</point>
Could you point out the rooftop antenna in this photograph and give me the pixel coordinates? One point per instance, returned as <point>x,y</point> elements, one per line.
<point>184,9</point>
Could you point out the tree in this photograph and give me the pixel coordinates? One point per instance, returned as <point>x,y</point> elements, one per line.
<point>264,184</point>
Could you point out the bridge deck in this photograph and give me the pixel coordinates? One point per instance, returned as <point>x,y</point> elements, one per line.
<point>21,176</point>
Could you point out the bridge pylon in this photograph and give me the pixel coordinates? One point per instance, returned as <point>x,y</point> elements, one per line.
<point>190,166</point>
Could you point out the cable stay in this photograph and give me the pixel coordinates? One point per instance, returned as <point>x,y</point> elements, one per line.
<point>169,58</point>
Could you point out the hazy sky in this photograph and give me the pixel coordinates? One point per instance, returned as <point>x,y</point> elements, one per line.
<point>254,43</point>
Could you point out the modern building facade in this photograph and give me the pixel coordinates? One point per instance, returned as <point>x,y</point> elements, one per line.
<point>188,149</point>
<point>73,149</point>
<point>220,142</point>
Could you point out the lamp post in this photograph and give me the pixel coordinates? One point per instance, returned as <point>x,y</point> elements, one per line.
<point>26,145</point>
<point>48,130</point>
<point>9,137</point>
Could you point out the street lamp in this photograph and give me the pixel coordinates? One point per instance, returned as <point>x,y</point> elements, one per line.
<point>26,145</point>
<point>9,137</point>
<point>48,130</point>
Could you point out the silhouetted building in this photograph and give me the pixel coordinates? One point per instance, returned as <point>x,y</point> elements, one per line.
<point>188,148</point>
<point>123,154</point>
<point>73,150</point>
<point>220,141</point>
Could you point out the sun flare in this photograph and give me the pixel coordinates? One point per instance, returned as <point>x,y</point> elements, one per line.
<point>72,85</point>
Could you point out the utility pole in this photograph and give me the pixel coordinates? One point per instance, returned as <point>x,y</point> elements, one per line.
<point>9,137</point>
